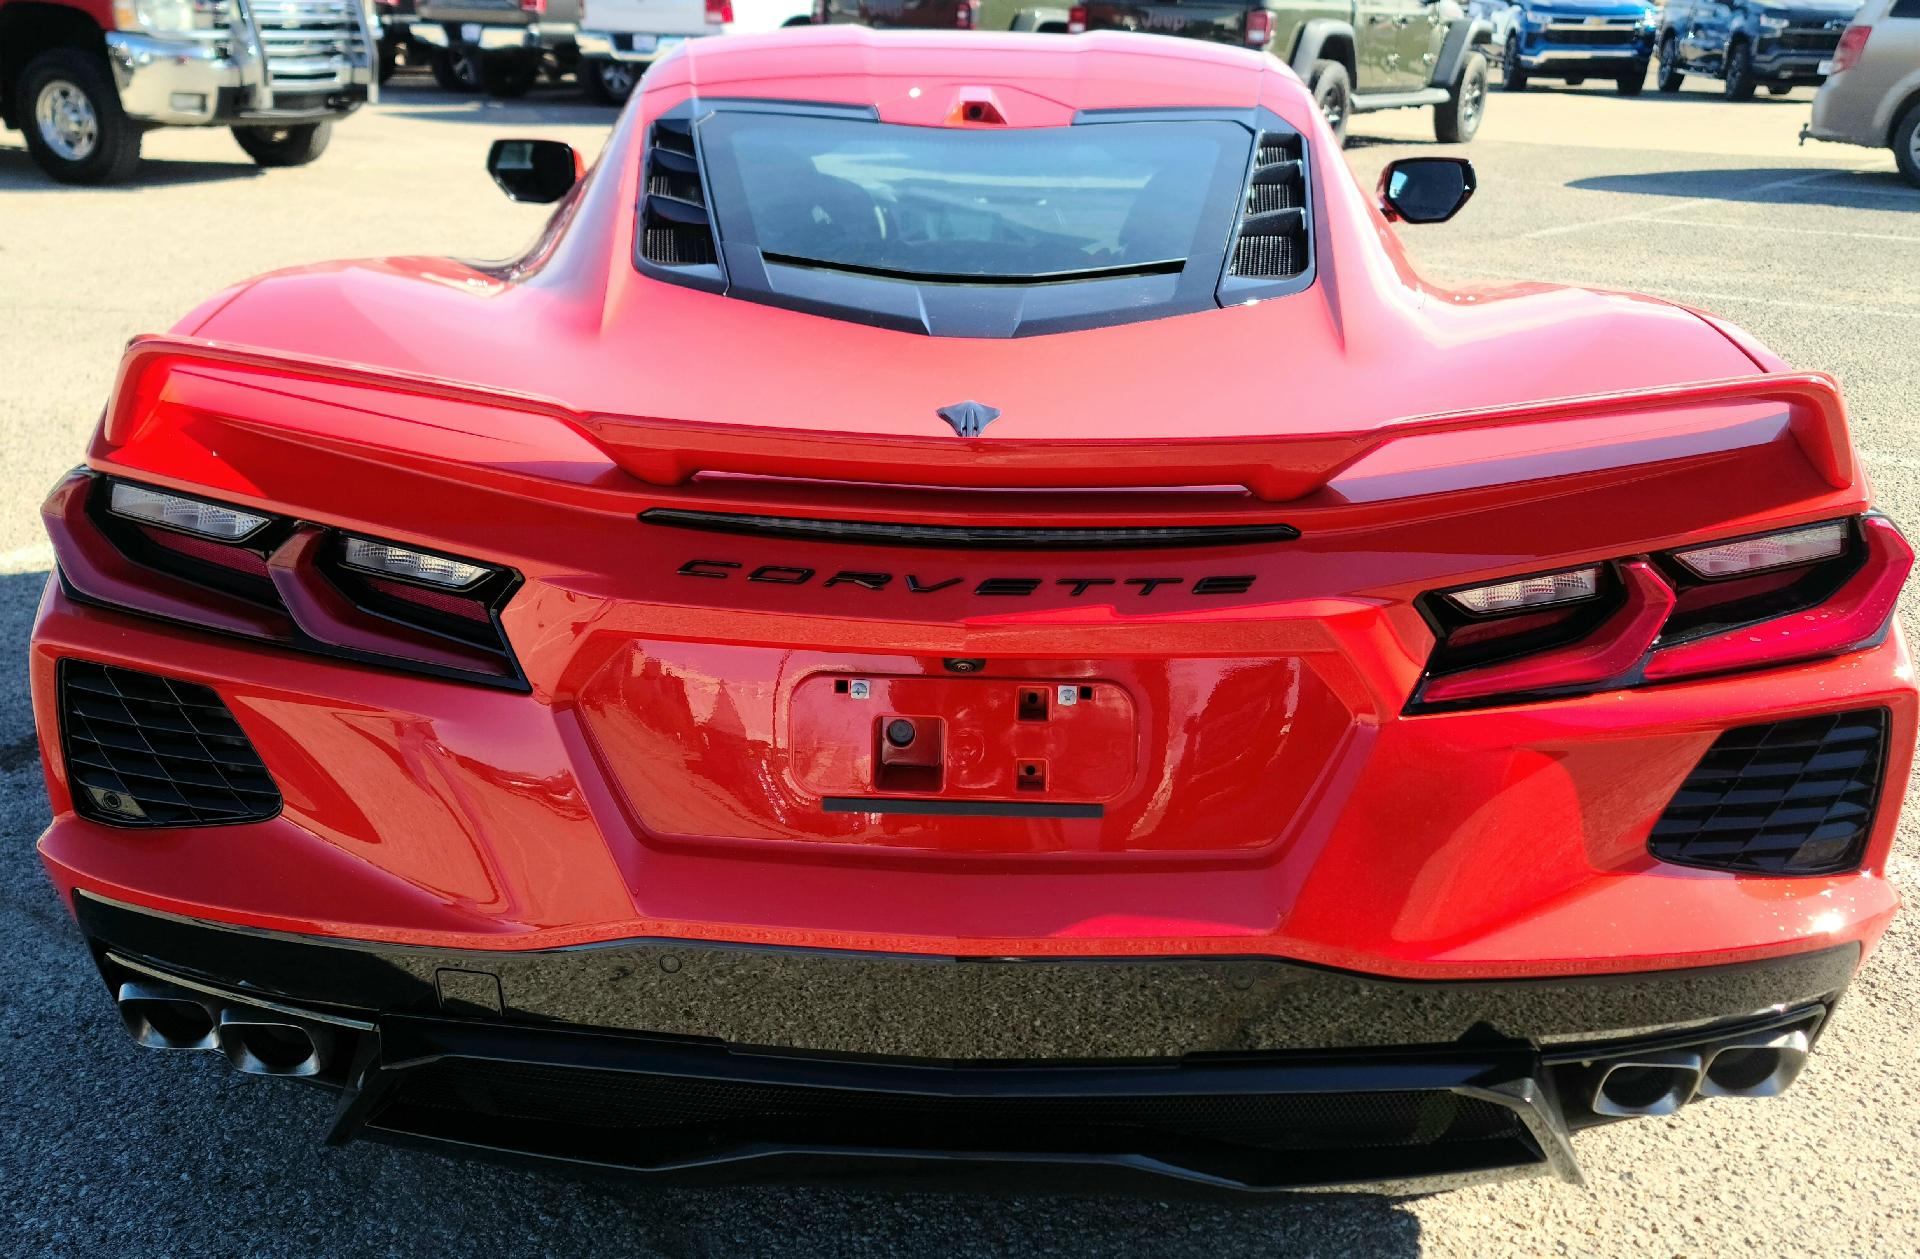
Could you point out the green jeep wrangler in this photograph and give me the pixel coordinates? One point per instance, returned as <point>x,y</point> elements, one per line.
<point>1355,55</point>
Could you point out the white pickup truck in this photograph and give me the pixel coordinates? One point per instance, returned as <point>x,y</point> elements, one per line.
<point>619,38</point>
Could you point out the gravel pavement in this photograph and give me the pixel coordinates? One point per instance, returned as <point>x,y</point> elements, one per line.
<point>105,1149</point>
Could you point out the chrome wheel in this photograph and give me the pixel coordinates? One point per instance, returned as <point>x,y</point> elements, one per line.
<point>618,78</point>
<point>1473,100</point>
<point>66,120</point>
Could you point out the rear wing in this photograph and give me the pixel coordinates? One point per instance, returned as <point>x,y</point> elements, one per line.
<point>669,453</point>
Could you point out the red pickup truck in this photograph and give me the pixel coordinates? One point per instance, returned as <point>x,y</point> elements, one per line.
<point>84,79</point>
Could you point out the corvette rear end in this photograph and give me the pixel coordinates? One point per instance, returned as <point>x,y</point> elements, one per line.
<point>1004,633</point>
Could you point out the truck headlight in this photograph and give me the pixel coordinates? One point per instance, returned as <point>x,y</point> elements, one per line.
<point>167,17</point>
<point>1770,23</point>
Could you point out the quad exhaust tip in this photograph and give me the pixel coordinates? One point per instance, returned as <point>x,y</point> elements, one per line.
<point>1757,1068</point>
<point>254,1040</point>
<point>1650,1084</point>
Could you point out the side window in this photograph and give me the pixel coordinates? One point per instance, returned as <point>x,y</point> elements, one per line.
<point>1905,8</point>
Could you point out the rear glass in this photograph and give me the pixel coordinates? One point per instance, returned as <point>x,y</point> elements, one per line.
<point>972,205</point>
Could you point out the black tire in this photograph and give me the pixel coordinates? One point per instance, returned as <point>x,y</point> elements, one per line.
<point>1670,75</point>
<point>1333,93</point>
<point>1738,72</point>
<point>1906,144</point>
<point>285,146</point>
<point>609,82</point>
<point>1779,89</point>
<point>1632,82</point>
<point>1513,75</point>
<point>85,138</point>
<point>455,69</point>
<point>1576,82</point>
<point>510,76</point>
<point>1457,121</point>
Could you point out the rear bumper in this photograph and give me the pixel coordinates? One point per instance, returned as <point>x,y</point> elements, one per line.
<point>711,1063</point>
<point>489,38</point>
<point>636,48</point>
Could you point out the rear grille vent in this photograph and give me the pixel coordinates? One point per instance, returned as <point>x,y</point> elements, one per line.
<point>675,228</point>
<point>1273,229</point>
<point>143,750</point>
<point>1787,797</point>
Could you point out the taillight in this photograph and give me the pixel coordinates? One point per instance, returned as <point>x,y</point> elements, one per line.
<point>1768,599</point>
<point>719,12</point>
<point>536,7</point>
<point>1259,28</point>
<point>966,14</point>
<point>306,586</point>
<point>1077,20</point>
<point>1853,42</point>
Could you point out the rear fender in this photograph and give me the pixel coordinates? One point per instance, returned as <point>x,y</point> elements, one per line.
<point>1462,39</point>
<point>1325,39</point>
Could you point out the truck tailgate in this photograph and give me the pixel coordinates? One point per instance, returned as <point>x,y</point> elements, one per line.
<point>653,17</point>
<point>1221,23</point>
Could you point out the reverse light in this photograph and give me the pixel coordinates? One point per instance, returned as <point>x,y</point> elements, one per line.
<point>189,515</point>
<point>719,12</point>
<point>368,556</point>
<point>1259,28</point>
<point>1541,590</point>
<point>1768,551</point>
<point>1853,42</point>
<point>1077,20</point>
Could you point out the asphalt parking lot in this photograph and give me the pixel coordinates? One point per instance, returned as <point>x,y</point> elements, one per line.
<point>106,1149</point>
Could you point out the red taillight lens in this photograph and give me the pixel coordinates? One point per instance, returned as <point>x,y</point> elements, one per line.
<point>1259,28</point>
<point>1744,603</point>
<point>1077,20</point>
<point>719,12</point>
<point>536,7</point>
<point>966,14</point>
<point>1853,42</point>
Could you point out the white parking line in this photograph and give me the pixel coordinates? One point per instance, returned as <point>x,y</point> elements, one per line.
<point>1689,296</point>
<point>1682,203</point>
<point>27,559</point>
<point>1724,224</point>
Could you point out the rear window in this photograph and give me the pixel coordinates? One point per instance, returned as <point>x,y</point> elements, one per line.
<point>975,205</point>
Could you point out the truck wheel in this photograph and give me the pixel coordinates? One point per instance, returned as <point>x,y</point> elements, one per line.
<point>285,146</point>
<point>68,108</point>
<point>510,76</point>
<point>1670,72</point>
<point>1632,82</point>
<point>608,82</point>
<point>455,69</point>
<point>1333,93</point>
<point>1779,89</point>
<point>1739,72</point>
<point>1513,75</point>
<point>1456,121</point>
<point>1906,144</point>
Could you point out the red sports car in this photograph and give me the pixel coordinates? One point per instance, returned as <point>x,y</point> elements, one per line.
<point>964,611</point>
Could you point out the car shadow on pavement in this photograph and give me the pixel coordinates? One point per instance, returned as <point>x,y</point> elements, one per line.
<point>109,1149</point>
<point>17,170</point>
<point>1785,185</point>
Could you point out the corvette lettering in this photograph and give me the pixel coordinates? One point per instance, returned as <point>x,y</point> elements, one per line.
<point>915,583</point>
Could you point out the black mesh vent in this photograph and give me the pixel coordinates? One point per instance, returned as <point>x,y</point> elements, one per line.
<point>144,750</point>
<point>1787,797</point>
<point>652,1109</point>
<point>1273,229</point>
<point>675,229</point>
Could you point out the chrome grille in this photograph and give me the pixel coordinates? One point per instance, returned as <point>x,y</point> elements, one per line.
<point>310,45</point>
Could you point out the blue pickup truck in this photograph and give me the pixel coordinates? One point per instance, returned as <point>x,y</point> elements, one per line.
<point>1577,40</point>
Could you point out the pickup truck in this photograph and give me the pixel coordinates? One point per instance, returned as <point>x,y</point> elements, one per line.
<point>85,79</point>
<point>1356,56</point>
<point>1747,43</point>
<point>964,15</point>
<point>501,46</point>
<point>619,39</point>
<point>1577,40</point>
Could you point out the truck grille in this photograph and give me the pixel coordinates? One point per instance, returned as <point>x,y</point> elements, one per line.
<point>1594,36</point>
<point>1808,39</point>
<point>310,45</point>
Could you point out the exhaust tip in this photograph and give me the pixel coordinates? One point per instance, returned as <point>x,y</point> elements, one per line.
<point>1761,1068</point>
<point>160,1017</point>
<point>264,1044</point>
<point>1655,1084</point>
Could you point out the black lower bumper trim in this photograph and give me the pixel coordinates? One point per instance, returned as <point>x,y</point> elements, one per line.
<point>931,1008</point>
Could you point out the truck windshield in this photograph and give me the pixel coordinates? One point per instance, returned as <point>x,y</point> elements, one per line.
<point>975,205</point>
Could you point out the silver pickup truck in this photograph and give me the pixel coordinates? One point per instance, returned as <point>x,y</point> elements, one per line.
<point>500,46</point>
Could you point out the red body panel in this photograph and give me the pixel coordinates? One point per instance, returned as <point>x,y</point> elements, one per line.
<point>1263,788</point>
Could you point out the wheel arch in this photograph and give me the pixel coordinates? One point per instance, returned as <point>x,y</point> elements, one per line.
<point>29,28</point>
<point>1905,96</point>
<point>1466,35</point>
<point>1325,39</point>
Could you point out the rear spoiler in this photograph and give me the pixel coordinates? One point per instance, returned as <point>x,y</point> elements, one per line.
<point>1276,469</point>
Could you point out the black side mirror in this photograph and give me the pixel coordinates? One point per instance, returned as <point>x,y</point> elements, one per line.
<point>539,171</point>
<point>1426,189</point>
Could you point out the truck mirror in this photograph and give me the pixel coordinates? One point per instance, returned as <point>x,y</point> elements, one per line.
<point>539,171</point>
<point>1426,189</point>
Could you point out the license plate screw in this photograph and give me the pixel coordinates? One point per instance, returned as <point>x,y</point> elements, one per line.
<point>1069,696</point>
<point>859,688</point>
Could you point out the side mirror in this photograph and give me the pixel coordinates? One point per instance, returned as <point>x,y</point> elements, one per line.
<point>1426,189</point>
<point>539,171</point>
